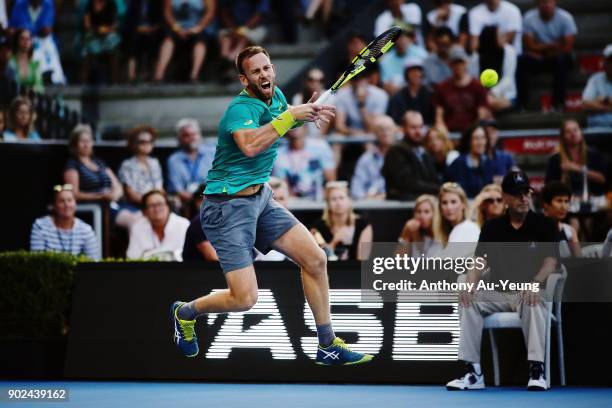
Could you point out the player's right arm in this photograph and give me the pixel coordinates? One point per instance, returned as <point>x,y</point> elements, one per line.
<point>253,141</point>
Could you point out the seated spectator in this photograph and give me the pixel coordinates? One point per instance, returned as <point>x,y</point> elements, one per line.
<point>417,236</point>
<point>302,166</point>
<point>340,230</point>
<point>549,44</point>
<point>280,192</point>
<point>501,58</point>
<point>243,25</point>
<point>38,16</point>
<point>140,173</point>
<point>576,163</point>
<point>27,69</point>
<point>409,170</point>
<point>461,100</point>
<point>92,179</point>
<point>392,67</point>
<point>188,166</point>
<point>368,181</point>
<point>453,223</point>
<point>357,104</point>
<point>21,118</point>
<point>556,197</point>
<point>499,13</point>
<point>488,204</point>
<point>597,95</point>
<point>191,23</point>
<point>197,247</point>
<point>437,65</point>
<point>314,82</point>
<point>472,170</point>
<point>8,75</point>
<point>447,14</point>
<point>414,96</point>
<point>160,230</point>
<point>398,13</point>
<point>142,36</point>
<point>501,160</point>
<point>62,231</point>
<point>101,37</point>
<point>441,149</point>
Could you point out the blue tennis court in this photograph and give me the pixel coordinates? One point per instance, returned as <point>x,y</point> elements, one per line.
<point>138,394</point>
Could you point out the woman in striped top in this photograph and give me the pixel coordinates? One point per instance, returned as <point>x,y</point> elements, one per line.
<point>62,231</point>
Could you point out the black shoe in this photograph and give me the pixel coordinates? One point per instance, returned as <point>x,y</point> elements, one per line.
<point>537,382</point>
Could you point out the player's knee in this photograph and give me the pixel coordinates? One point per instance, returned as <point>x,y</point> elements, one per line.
<point>316,264</point>
<point>247,300</point>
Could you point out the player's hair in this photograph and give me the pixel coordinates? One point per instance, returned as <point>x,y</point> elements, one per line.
<point>17,103</point>
<point>480,210</point>
<point>554,189</point>
<point>132,136</point>
<point>465,144</point>
<point>247,53</point>
<point>145,198</point>
<point>439,132</point>
<point>564,151</point>
<point>342,186</point>
<point>75,135</point>
<point>442,228</point>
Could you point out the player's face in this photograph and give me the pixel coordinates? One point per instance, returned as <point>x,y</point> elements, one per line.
<point>558,208</point>
<point>479,142</point>
<point>424,213</point>
<point>259,76</point>
<point>157,210</point>
<point>452,208</point>
<point>65,204</point>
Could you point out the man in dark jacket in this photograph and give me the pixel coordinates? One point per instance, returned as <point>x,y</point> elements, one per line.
<point>409,170</point>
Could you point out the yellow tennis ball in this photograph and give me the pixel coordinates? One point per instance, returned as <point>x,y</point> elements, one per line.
<point>489,78</point>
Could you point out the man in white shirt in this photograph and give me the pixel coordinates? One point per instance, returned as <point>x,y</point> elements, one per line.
<point>159,230</point>
<point>399,13</point>
<point>501,13</point>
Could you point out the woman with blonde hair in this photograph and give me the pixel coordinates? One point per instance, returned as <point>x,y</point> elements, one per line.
<point>417,235</point>
<point>439,146</point>
<point>341,230</point>
<point>453,224</point>
<point>488,204</point>
<point>575,162</point>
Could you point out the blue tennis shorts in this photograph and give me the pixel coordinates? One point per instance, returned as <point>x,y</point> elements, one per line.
<point>236,226</point>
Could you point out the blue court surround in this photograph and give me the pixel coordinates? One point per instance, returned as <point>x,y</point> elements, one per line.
<point>212,395</point>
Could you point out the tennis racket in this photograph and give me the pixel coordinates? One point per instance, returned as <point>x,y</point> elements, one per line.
<point>366,57</point>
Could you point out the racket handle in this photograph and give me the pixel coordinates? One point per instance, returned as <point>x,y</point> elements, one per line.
<point>324,96</point>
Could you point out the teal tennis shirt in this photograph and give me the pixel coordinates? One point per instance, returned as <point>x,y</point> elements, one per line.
<point>232,170</point>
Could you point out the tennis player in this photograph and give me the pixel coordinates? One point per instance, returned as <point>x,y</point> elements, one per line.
<point>240,214</point>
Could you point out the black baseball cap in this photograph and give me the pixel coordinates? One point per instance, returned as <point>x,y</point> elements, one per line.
<point>515,181</point>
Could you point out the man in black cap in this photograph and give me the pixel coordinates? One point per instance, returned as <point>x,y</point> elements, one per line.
<point>519,247</point>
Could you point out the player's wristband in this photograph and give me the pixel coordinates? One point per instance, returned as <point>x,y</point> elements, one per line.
<point>283,123</point>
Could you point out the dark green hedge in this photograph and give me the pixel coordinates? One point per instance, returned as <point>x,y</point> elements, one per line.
<point>35,293</point>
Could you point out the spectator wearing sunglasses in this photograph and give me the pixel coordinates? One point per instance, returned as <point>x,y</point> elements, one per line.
<point>140,173</point>
<point>488,204</point>
<point>61,231</point>
<point>314,82</point>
